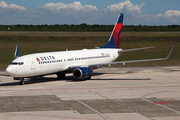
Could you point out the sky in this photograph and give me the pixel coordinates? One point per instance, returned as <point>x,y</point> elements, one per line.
<point>136,12</point>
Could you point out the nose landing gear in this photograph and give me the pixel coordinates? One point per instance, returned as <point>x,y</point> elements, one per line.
<point>21,81</point>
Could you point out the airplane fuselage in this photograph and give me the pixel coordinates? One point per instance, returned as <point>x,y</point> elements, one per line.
<point>52,62</point>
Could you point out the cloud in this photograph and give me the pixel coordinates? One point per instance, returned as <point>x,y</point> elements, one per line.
<point>126,6</point>
<point>75,9</point>
<point>90,14</point>
<point>4,5</point>
<point>73,13</point>
<point>77,6</point>
<point>130,11</point>
<point>76,13</point>
<point>171,13</point>
<point>172,16</point>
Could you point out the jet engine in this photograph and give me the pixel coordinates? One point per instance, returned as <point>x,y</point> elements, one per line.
<point>82,73</point>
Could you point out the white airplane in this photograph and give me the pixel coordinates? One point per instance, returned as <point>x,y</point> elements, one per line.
<point>79,62</point>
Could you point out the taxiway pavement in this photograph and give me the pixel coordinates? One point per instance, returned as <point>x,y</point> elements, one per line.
<point>113,93</point>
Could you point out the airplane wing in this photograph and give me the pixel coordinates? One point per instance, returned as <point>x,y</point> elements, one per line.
<point>132,61</point>
<point>94,66</point>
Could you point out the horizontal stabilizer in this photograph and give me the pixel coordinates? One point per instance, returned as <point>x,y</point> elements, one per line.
<point>97,47</point>
<point>136,49</point>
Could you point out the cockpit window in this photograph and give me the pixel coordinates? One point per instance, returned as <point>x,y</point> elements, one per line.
<point>13,63</point>
<point>16,63</point>
<point>21,63</point>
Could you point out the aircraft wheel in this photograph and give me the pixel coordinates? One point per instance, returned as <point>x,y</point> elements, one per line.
<point>61,75</point>
<point>88,78</point>
<point>22,82</point>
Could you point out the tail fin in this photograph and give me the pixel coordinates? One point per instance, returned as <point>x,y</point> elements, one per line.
<point>115,39</point>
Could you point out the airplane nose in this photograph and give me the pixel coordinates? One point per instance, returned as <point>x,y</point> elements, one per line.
<point>10,70</point>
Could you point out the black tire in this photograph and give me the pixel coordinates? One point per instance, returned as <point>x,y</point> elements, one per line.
<point>22,82</point>
<point>61,75</point>
<point>88,78</point>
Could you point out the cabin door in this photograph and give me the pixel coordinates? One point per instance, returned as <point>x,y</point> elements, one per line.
<point>33,64</point>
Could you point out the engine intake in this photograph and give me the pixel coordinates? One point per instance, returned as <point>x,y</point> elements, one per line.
<point>82,72</point>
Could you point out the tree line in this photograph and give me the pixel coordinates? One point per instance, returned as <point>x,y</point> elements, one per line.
<point>87,28</point>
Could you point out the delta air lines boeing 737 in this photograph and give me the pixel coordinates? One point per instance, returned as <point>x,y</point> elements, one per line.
<point>79,62</point>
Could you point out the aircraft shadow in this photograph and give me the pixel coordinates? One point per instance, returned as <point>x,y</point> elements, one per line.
<point>67,79</point>
<point>10,84</point>
<point>122,79</point>
<point>29,82</point>
<point>5,75</point>
<point>40,80</point>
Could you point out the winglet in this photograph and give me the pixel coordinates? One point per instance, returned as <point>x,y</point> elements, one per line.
<point>16,54</point>
<point>170,53</point>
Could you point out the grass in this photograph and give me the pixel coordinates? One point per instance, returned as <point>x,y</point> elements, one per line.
<point>35,42</point>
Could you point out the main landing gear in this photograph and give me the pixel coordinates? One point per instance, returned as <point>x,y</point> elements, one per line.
<point>88,78</point>
<point>22,81</point>
<point>61,76</point>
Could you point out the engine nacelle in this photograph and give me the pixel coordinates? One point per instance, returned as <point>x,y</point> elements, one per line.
<point>82,72</point>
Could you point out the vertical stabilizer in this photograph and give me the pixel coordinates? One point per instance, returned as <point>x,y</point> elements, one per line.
<point>115,39</point>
